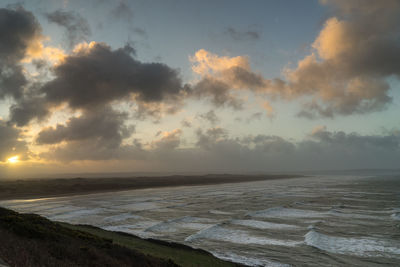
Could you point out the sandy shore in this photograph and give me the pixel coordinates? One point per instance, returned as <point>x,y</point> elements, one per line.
<point>39,188</point>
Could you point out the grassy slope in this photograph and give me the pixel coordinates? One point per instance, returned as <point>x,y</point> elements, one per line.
<point>180,254</point>
<point>31,240</point>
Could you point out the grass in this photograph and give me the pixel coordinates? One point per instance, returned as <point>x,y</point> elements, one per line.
<point>180,254</point>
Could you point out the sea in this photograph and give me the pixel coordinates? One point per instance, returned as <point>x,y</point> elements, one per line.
<point>319,220</point>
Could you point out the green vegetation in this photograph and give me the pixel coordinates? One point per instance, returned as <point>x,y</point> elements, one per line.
<point>31,240</point>
<point>180,254</point>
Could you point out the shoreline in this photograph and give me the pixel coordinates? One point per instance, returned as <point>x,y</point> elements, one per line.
<point>64,187</point>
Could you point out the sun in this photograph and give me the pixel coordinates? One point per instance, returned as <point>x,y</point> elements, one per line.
<point>13,159</point>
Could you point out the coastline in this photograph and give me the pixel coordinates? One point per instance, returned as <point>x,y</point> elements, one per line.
<point>48,188</point>
<point>33,240</point>
<point>159,249</point>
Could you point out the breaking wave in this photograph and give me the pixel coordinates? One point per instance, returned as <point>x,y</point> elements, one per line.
<point>281,212</point>
<point>354,246</point>
<point>265,225</point>
<point>217,232</point>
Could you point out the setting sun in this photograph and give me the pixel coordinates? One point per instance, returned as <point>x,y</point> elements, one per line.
<point>13,160</point>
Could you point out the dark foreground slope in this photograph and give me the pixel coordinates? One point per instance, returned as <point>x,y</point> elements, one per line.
<point>31,240</point>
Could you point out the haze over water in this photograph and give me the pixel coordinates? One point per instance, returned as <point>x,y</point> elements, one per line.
<point>314,221</point>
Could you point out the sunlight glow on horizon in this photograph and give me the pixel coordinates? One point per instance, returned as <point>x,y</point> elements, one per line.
<point>13,160</point>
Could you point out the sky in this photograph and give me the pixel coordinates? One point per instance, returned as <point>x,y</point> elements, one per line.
<point>198,86</point>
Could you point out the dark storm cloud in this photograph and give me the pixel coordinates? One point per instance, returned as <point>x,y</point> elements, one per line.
<point>105,124</point>
<point>240,35</point>
<point>27,109</point>
<point>18,28</point>
<point>95,75</point>
<point>10,143</point>
<point>99,75</point>
<point>76,26</point>
<point>94,135</point>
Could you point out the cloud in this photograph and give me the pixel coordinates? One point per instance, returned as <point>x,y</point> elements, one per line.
<point>10,143</point>
<point>222,77</point>
<point>28,108</point>
<point>94,76</point>
<point>205,62</point>
<point>216,150</point>
<point>186,123</point>
<point>21,41</point>
<point>209,116</point>
<point>18,30</point>
<point>97,75</point>
<point>106,125</point>
<point>211,137</point>
<point>77,27</point>
<point>239,35</point>
<point>346,72</point>
<point>122,11</point>
<point>168,140</point>
<point>322,149</point>
<point>269,109</point>
<point>93,135</point>
<point>218,92</point>
<point>354,53</point>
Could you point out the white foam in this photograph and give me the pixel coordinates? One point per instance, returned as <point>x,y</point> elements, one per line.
<point>121,217</point>
<point>264,225</point>
<point>76,213</point>
<point>281,212</point>
<point>355,215</point>
<point>352,246</point>
<point>395,216</point>
<point>218,212</point>
<point>187,222</point>
<point>248,261</point>
<point>139,206</point>
<point>220,233</point>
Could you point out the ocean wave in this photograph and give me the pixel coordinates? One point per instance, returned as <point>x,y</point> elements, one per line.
<point>139,206</point>
<point>354,246</point>
<point>265,225</point>
<point>121,217</point>
<point>75,213</point>
<point>353,215</point>
<point>248,261</point>
<point>187,222</point>
<point>219,233</point>
<point>218,212</point>
<point>281,212</point>
<point>395,216</point>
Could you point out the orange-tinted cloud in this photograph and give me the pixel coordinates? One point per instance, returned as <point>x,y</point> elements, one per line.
<point>345,73</point>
